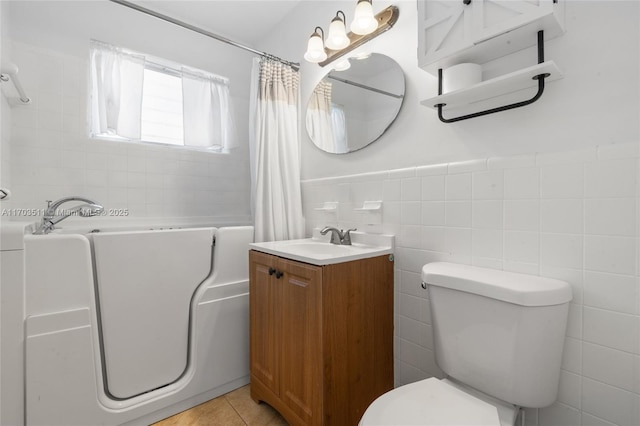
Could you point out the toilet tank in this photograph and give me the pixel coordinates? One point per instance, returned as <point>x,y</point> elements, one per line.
<point>501,333</point>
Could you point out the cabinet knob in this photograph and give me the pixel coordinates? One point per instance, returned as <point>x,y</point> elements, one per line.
<point>279,274</point>
<point>272,271</point>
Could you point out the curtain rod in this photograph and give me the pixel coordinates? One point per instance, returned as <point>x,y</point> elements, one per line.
<point>364,86</point>
<point>294,65</point>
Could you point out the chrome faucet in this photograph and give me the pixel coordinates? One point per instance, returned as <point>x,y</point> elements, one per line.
<point>51,216</point>
<point>338,236</point>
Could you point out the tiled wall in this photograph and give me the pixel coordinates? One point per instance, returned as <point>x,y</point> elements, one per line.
<point>5,132</point>
<point>51,156</point>
<point>572,216</point>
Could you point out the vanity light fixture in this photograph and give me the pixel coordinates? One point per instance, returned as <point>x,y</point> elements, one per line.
<point>315,47</point>
<point>365,27</point>
<point>337,38</point>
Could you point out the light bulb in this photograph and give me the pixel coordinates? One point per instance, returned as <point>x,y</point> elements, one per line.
<point>337,38</point>
<point>363,21</point>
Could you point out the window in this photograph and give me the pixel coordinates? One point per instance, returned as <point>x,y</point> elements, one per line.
<point>161,117</point>
<point>136,97</point>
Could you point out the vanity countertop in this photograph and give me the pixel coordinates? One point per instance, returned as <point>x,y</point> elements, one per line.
<point>319,251</point>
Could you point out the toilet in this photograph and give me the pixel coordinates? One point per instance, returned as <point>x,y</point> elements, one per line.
<point>498,337</point>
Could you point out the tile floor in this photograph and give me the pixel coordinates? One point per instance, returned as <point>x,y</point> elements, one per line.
<point>233,409</point>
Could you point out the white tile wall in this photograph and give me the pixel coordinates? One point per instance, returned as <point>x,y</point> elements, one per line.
<point>5,148</point>
<point>571,216</point>
<point>610,254</point>
<point>559,414</point>
<point>612,292</point>
<point>488,185</point>
<point>49,155</point>
<point>620,365</point>
<point>458,186</point>
<point>522,184</point>
<point>433,187</point>
<point>562,181</point>
<point>610,403</point>
<point>522,215</point>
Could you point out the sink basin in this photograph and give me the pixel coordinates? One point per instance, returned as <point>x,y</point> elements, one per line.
<point>319,249</point>
<point>320,252</point>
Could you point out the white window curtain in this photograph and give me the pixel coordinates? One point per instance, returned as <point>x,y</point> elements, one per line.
<point>116,93</point>
<point>275,152</point>
<point>117,83</point>
<point>319,117</point>
<point>208,113</point>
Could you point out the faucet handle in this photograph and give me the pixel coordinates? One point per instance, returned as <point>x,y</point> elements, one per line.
<point>346,238</point>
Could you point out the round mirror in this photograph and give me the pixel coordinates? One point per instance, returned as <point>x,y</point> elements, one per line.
<point>351,108</point>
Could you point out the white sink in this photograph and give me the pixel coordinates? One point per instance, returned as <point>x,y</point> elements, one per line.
<point>319,251</point>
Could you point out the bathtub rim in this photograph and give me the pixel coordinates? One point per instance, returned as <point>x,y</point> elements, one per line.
<point>77,225</point>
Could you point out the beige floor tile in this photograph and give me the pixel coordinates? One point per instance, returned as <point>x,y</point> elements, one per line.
<point>233,409</point>
<point>253,414</point>
<point>217,412</point>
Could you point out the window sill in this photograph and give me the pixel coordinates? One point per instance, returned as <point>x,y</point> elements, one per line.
<point>119,139</point>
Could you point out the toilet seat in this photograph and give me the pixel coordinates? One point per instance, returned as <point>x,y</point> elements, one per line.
<point>430,402</point>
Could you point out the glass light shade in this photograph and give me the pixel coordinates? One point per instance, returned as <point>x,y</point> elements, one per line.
<point>337,38</point>
<point>363,21</point>
<point>342,65</point>
<point>315,49</point>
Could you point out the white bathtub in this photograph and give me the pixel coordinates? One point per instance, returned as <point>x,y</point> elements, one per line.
<point>150,345</point>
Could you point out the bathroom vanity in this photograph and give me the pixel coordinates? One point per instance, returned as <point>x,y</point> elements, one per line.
<point>321,334</point>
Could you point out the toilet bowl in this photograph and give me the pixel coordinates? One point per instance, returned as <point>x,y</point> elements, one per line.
<point>434,402</point>
<point>498,337</point>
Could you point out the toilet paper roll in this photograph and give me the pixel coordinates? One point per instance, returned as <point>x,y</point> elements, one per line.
<point>461,76</point>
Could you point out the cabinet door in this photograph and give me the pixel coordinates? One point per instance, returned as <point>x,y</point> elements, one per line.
<point>301,340</point>
<point>445,27</point>
<point>450,27</point>
<point>264,300</point>
<point>494,17</point>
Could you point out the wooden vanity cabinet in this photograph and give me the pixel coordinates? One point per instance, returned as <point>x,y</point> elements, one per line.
<point>321,337</point>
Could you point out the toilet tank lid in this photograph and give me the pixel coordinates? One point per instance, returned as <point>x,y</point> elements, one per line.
<point>520,289</point>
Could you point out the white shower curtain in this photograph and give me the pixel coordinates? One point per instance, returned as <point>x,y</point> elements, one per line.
<point>339,126</point>
<point>319,120</point>
<point>275,152</point>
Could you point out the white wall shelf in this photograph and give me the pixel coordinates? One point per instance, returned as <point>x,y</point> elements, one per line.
<point>498,86</point>
<point>370,206</point>
<point>370,213</point>
<point>328,206</point>
<point>456,32</point>
<point>502,85</point>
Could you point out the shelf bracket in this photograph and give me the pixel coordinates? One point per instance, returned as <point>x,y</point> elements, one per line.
<point>539,77</point>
